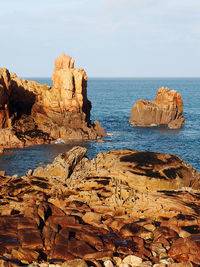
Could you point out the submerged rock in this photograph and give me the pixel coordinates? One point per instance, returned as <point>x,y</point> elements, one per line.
<point>166,109</point>
<point>37,113</point>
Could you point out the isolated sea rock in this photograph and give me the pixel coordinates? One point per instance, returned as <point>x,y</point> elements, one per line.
<point>166,109</point>
<point>86,215</point>
<point>39,114</point>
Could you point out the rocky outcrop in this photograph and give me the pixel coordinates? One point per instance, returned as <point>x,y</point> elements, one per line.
<point>4,98</point>
<point>113,178</point>
<point>38,113</point>
<point>143,171</point>
<point>166,109</point>
<point>63,165</point>
<point>75,212</point>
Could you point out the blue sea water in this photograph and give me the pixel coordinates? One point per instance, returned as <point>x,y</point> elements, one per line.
<point>112,100</point>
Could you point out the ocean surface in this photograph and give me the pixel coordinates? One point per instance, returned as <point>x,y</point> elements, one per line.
<point>112,100</point>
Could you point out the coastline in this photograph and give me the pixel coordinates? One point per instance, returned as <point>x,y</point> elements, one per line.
<point>76,208</point>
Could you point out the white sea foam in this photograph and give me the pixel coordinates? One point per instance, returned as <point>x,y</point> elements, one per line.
<point>144,126</point>
<point>112,133</point>
<point>60,141</point>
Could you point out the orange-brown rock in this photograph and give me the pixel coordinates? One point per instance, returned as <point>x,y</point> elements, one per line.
<point>132,229</point>
<point>39,114</point>
<point>5,91</point>
<point>75,263</point>
<point>60,252</point>
<point>91,239</point>
<point>30,238</point>
<point>144,171</point>
<point>25,255</point>
<point>164,232</point>
<point>166,109</point>
<point>90,211</point>
<point>186,249</point>
<point>9,139</point>
<point>63,164</point>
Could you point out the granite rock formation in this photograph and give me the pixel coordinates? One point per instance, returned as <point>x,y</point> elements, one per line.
<point>78,211</point>
<point>166,109</point>
<point>37,113</point>
<point>144,171</point>
<point>4,98</point>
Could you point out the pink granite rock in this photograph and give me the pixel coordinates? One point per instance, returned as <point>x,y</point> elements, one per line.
<point>166,109</point>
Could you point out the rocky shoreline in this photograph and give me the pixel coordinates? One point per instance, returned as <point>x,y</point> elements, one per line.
<point>32,113</point>
<point>123,208</point>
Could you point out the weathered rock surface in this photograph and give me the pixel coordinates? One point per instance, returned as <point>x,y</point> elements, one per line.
<point>63,165</point>
<point>166,109</point>
<point>77,208</point>
<point>143,171</point>
<point>37,113</point>
<point>4,98</point>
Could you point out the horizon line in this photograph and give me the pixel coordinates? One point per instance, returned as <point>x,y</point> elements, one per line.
<point>121,77</point>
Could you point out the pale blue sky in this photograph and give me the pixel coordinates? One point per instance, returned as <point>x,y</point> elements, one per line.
<point>108,38</point>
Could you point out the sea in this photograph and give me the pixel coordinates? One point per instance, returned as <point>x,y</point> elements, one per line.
<point>112,100</point>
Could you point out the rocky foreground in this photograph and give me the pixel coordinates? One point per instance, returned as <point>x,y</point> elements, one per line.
<point>32,113</point>
<point>166,109</point>
<point>123,208</point>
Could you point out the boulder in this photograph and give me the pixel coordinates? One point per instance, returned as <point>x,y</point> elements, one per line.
<point>25,255</point>
<point>63,165</point>
<point>74,263</point>
<point>30,238</point>
<point>108,263</point>
<point>186,249</point>
<point>132,260</point>
<point>166,109</point>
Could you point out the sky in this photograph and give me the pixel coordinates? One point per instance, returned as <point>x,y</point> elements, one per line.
<point>108,38</point>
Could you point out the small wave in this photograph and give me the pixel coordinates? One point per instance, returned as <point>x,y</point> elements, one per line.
<point>112,133</point>
<point>60,141</point>
<point>143,126</point>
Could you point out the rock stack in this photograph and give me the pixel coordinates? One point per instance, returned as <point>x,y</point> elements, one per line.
<point>34,113</point>
<point>166,109</point>
<point>81,212</point>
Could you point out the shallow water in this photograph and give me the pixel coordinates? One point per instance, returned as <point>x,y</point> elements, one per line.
<point>112,100</point>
